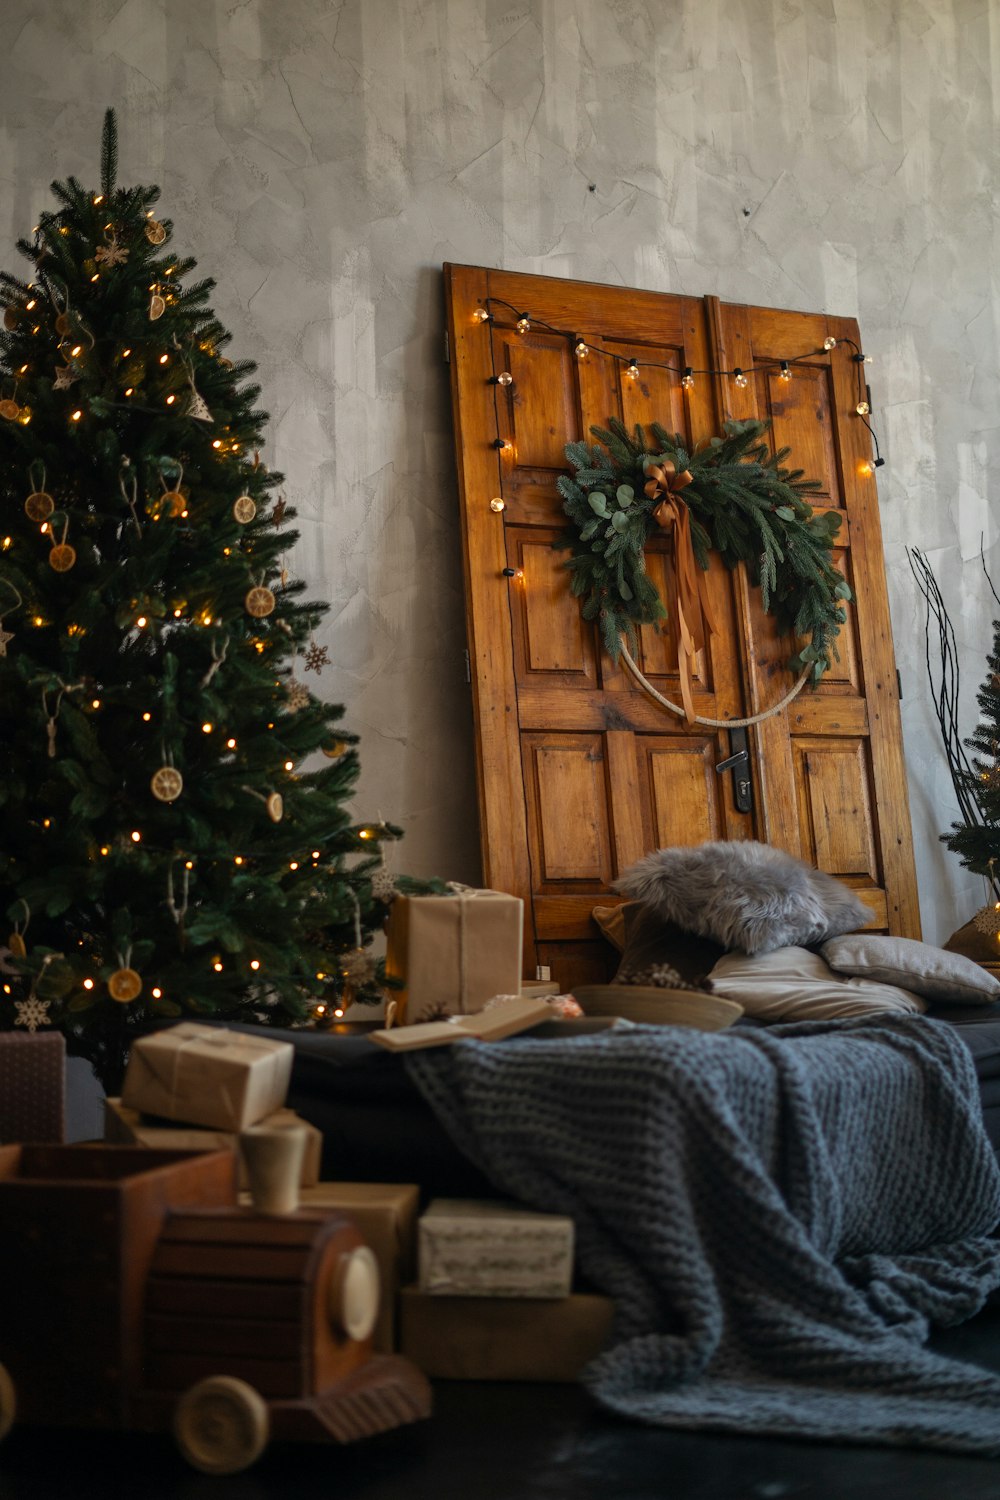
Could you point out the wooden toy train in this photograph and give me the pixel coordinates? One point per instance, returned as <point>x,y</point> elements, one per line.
<point>136,1293</point>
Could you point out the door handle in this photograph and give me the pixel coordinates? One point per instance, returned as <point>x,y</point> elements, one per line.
<point>739,763</point>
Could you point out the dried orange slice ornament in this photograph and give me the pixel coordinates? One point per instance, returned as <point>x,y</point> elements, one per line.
<point>260,602</point>
<point>125,985</point>
<point>39,504</point>
<point>166,784</point>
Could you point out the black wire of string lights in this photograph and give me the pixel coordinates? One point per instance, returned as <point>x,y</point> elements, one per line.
<point>524,322</point>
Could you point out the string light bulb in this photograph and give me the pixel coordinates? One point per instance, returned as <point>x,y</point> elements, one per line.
<point>217,965</point>
<point>156,993</point>
<point>523,323</point>
<point>293,864</point>
<point>142,622</point>
<point>862,408</point>
<point>230,744</point>
<point>255,964</point>
<point>146,717</point>
<point>580,349</point>
<point>739,378</point>
<point>481,315</point>
<point>88,984</point>
<point>136,836</point>
<point>829,342</point>
<point>632,370</point>
<point>289,765</point>
<point>76,415</point>
<point>207,728</point>
<point>505,378</point>
<point>497,504</point>
<point>785,373</point>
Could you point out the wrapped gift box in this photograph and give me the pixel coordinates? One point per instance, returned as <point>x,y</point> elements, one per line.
<point>32,1086</point>
<point>386,1214</point>
<point>479,1248</point>
<point>206,1075</point>
<point>127,1127</point>
<point>451,954</point>
<point>480,1338</point>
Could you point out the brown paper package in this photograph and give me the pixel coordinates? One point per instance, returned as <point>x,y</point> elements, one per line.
<point>206,1075</point>
<point>453,953</point>
<point>481,1338</point>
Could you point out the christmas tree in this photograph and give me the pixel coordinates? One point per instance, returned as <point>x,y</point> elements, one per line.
<point>164,851</point>
<point>977,840</point>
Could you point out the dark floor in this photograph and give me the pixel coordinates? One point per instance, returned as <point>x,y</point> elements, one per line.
<point>515,1442</point>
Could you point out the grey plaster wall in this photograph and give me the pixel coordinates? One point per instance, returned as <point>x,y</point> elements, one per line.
<point>322,159</point>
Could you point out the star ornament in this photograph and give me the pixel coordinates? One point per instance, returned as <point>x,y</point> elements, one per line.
<point>65,377</point>
<point>5,637</point>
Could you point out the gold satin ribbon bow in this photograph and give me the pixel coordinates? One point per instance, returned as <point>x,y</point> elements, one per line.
<point>692,609</point>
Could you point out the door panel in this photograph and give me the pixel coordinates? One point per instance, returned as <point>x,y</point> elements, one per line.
<point>580,772</point>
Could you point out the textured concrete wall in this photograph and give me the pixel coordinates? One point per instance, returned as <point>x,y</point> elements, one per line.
<point>323,159</point>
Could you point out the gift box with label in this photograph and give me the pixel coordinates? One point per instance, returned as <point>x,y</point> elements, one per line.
<point>482,1338</point>
<point>479,1248</point>
<point>451,954</point>
<point>206,1075</point>
<point>127,1127</point>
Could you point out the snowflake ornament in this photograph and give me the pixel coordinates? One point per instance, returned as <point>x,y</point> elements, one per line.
<point>111,254</point>
<point>358,966</point>
<point>383,885</point>
<point>987,920</point>
<point>32,1013</point>
<point>316,657</point>
<point>296,695</point>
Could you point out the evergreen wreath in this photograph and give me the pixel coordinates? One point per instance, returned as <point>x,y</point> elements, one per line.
<point>743,504</point>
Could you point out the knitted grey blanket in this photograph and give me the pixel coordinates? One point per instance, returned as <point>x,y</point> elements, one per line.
<point>780,1215</point>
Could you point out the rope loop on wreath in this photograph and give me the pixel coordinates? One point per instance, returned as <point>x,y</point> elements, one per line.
<point>682,713</point>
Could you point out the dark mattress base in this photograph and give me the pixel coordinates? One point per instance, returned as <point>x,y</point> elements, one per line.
<point>377,1128</point>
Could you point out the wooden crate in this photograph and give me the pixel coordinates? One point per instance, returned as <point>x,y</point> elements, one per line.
<point>80,1225</point>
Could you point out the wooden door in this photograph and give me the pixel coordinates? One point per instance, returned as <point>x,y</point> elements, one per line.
<point>580,773</point>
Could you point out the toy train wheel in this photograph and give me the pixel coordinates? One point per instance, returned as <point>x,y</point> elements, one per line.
<point>221,1425</point>
<point>8,1402</point>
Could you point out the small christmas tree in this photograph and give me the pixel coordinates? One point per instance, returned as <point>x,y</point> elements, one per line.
<point>163,851</point>
<point>977,840</point>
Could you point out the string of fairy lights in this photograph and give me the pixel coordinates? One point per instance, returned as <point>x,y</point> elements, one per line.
<point>632,368</point>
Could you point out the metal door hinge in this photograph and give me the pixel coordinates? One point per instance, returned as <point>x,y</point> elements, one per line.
<point>468,668</point>
<point>447,347</point>
<point>899,683</point>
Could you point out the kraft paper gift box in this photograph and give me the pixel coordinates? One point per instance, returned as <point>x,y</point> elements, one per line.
<point>453,953</point>
<point>205,1075</point>
<point>483,1338</point>
<point>386,1214</point>
<point>127,1127</point>
<point>480,1248</point>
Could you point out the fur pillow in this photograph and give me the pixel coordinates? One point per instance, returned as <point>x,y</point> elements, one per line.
<point>744,895</point>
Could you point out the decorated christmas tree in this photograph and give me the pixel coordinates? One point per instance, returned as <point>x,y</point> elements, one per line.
<point>165,852</point>
<point>977,840</point>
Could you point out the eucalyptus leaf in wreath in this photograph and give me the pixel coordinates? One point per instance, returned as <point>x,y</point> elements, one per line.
<point>744,504</point>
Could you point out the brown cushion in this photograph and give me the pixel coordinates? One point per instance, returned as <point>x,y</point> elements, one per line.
<point>611,921</point>
<point>651,942</point>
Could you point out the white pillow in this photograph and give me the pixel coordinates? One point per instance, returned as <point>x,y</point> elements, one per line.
<point>922,968</point>
<point>792,984</point>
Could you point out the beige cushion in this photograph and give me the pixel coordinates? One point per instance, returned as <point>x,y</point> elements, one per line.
<point>792,984</point>
<point>920,967</point>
